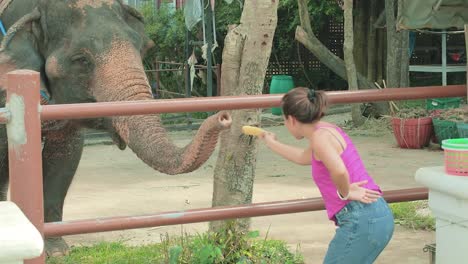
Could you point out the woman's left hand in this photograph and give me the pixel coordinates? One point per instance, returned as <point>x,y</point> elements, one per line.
<point>361,194</point>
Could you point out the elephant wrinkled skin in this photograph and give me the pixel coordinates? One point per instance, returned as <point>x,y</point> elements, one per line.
<point>89,51</point>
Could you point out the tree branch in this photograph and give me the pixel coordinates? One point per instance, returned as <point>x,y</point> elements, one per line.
<point>348,49</point>
<point>304,16</point>
<point>325,56</point>
<point>305,35</point>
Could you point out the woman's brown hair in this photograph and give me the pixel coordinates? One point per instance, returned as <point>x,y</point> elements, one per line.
<point>304,104</point>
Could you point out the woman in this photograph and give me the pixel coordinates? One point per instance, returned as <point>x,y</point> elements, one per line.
<point>352,199</point>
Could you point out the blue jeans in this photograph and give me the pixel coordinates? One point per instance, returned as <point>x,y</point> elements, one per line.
<point>363,232</point>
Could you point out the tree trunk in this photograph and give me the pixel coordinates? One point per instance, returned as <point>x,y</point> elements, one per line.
<point>245,60</point>
<point>381,51</point>
<point>393,47</point>
<point>404,42</point>
<point>404,71</point>
<point>372,52</point>
<point>348,49</point>
<point>305,35</point>
<point>361,30</point>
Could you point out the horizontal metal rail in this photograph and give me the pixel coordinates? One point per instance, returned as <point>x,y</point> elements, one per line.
<point>209,214</point>
<point>127,108</point>
<point>93,110</point>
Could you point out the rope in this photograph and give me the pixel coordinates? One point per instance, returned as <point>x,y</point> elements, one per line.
<point>4,5</point>
<point>419,125</point>
<point>402,125</point>
<point>19,24</point>
<point>45,98</point>
<point>402,130</point>
<point>439,32</point>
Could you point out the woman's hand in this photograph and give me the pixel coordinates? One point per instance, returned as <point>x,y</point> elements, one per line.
<point>361,194</point>
<point>268,137</point>
<point>291,153</point>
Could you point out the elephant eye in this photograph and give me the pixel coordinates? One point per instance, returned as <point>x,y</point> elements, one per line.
<point>80,59</point>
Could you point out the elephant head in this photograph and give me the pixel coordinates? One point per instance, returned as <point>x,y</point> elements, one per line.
<point>91,51</point>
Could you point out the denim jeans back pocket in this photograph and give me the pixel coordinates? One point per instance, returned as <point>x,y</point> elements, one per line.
<point>381,229</point>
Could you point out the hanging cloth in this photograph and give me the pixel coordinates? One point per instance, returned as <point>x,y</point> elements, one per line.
<point>192,61</point>
<point>193,12</point>
<point>215,42</point>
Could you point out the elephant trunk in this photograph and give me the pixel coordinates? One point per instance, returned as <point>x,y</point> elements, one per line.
<point>145,134</point>
<point>148,139</point>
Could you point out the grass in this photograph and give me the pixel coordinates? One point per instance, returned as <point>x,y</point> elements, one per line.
<point>413,215</point>
<point>379,127</point>
<point>116,253</point>
<point>207,248</point>
<point>371,128</point>
<point>412,104</point>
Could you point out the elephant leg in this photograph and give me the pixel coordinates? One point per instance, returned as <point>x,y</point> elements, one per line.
<point>61,156</point>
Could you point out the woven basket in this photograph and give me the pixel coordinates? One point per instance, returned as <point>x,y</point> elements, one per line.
<point>462,130</point>
<point>445,129</point>
<point>456,156</point>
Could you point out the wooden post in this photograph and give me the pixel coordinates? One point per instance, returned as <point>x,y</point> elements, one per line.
<point>218,80</point>
<point>209,40</point>
<point>158,79</point>
<point>24,147</point>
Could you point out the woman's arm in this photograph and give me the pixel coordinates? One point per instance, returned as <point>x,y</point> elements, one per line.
<point>328,150</point>
<point>291,153</point>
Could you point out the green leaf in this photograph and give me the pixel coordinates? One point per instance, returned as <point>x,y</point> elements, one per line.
<point>253,234</point>
<point>174,254</point>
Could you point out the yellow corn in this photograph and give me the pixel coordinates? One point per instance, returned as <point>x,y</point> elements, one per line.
<point>251,130</point>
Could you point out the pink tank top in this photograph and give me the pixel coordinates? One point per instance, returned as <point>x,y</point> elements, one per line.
<point>356,170</point>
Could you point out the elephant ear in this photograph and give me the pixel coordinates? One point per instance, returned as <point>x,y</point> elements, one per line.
<point>136,21</point>
<point>19,48</point>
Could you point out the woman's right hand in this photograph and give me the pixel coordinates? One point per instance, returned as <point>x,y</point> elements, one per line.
<point>359,193</point>
<point>268,137</point>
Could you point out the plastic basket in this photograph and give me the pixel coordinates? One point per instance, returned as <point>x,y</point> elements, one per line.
<point>445,129</point>
<point>414,133</point>
<point>443,103</point>
<point>456,156</point>
<point>462,130</point>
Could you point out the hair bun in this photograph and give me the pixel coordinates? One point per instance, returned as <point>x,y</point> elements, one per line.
<point>311,95</point>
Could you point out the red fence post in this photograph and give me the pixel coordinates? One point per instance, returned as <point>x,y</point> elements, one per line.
<point>24,147</point>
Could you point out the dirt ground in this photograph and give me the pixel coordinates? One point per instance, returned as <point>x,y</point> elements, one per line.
<point>111,182</point>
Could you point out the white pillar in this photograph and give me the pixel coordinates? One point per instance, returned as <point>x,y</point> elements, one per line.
<point>448,200</point>
<point>19,239</point>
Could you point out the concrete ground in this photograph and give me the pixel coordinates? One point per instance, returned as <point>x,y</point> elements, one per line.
<point>111,182</point>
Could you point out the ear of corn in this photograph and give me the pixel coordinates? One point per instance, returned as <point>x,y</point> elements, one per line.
<point>251,130</point>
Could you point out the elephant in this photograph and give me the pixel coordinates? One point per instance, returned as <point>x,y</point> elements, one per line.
<point>89,51</point>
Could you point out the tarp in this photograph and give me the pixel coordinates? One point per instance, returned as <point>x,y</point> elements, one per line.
<point>433,14</point>
<point>193,13</point>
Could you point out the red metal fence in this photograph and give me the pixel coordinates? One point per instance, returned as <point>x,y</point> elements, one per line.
<point>23,115</point>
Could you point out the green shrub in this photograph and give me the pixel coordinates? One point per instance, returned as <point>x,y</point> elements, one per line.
<point>207,248</point>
